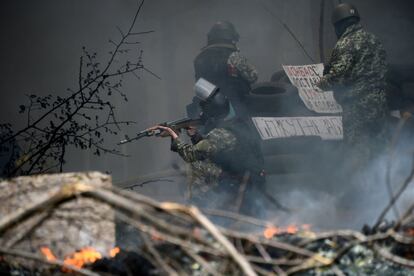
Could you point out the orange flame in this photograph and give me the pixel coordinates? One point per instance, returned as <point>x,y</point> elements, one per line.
<point>48,254</point>
<point>272,231</point>
<point>78,259</point>
<point>84,256</point>
<point>114,251</point>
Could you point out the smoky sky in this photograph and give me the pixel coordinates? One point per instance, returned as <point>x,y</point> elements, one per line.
<point>42,41</point>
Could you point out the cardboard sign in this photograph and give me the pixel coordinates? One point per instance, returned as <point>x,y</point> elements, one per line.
<point>305,78</point>
<point>326,127</point>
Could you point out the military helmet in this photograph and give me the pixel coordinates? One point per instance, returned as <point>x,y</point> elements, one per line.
<point>223,30</point>
<point>214,105</point>
<point>343,11</point>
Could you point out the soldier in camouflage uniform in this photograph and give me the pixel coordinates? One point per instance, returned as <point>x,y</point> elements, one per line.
<point>221,63</point>
<point>222,157</point>
<point>356,73</point>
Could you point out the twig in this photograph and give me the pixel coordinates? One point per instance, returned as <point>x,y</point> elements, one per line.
<point>25,232</point>
<point>262,271</point>
<point>360,239</point>
<point>196,214</point>
<point>394,199</point>
<point>337,271</point>
<point>393,258</point>
<point>268,259</point>
<point>242,189</point>
<point>263,252</point>
<point>140,33</point>
<point>238,217</point>
<point>391,151</point>
<point>287,29</point>
<point>157,257</point>
<point>284,262</point>
<point>151,72</point>
<point>167,237</point>
<point>162,174</point>
<point>279,271</point>
<point>403,217</point>
<point>201,261</point>
<point>331,234</point>
<point>131,187</point>
<point>278,245</point>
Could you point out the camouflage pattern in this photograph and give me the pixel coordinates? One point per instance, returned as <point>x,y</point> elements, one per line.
<point>217,141</point>
<point>356,73</point>
<point>202,177</point>
<point>247,71</point>
<point>205,174</point>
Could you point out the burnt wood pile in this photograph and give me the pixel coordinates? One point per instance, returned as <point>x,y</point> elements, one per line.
<point>175,239</point>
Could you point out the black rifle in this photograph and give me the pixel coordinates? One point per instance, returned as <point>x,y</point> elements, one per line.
<point>177,126</point>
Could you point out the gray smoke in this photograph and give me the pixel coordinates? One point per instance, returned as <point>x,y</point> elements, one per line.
<point>42,43</point>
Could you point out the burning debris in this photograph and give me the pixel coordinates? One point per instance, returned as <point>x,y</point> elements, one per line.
<point>180,240</point>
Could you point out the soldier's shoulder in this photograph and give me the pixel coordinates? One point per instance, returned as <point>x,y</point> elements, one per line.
<point>220,133</point>
<point>353,40</point>
<point>236,58</point>
<point>364,35</point>
<point>247,70</point>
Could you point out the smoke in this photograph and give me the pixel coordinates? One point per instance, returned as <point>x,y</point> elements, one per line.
<point>43,41</point>
<point>351,201</point>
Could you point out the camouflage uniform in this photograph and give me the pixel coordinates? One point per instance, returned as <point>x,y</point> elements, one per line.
<point>246,70</point>
<point>217,141</point>
<point>205,172</point>
<point>356,73</point>
<point>220,161</point>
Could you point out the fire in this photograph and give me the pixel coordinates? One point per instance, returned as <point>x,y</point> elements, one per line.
<point>114,251</point>
<point>48,254</point>
<point>272,231</point>
<point>78,259</point>
<point>84,256</point>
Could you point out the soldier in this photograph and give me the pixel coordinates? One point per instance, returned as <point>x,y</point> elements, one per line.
<point>226,158</point>
<point>221,63</point>
<point>356,73</point>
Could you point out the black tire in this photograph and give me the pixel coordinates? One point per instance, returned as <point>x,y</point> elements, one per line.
<point>280,76</point>
<point>273,99</point>
<point>271,89</point>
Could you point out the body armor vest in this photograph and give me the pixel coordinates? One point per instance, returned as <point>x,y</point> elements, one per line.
<point>247,156</point>
<point>211,64</point>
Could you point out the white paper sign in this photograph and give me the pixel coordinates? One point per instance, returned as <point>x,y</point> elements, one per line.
<point>305,78</point>
<point>326,127</point>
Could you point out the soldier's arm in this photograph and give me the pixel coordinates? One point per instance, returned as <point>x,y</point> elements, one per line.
<point>246,70</point>
<point>216,141</point>
<point>339,65</point>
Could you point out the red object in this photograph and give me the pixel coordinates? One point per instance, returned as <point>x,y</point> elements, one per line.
<point>232,70</point>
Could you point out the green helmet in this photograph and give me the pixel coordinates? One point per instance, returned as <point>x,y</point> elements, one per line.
<point>223,31</point>
<point>344,11</point>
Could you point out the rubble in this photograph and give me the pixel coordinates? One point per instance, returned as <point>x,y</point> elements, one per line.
<point>175,239</point>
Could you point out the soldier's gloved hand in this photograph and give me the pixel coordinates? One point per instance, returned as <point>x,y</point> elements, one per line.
<point>191,131</point>
<point>165,131</point>
<point>407,115</point>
